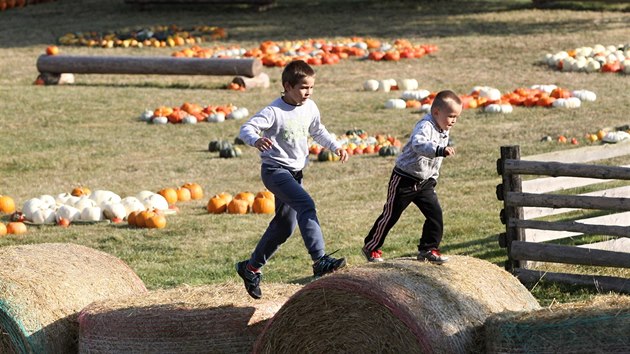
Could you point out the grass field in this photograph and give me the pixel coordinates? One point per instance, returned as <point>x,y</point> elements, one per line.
<point>54,138</point>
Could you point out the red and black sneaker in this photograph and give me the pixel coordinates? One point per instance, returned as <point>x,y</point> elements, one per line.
<point>372,256</point>
<point>433,256</point>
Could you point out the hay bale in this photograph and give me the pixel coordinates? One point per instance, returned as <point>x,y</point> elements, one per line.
<point>601,325</point>
<point>218,318</point>
<point>43,287</point>
<point>398,306</point>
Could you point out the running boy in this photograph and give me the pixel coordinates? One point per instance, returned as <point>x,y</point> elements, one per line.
<point>280,131</point>
<point>414,178</point>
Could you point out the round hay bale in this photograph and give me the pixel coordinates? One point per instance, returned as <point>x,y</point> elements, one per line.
<point>601,325</point>
<point>398,306</point>
<point>218,318</point>
<point>43,287</point>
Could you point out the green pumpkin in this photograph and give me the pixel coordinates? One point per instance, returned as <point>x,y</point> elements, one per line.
<point>230,152</point>
<point>389,150</point>
<point>326,155</point>
<point>218,145</point>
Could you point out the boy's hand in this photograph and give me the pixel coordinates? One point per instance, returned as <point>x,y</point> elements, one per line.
<point>343,154</point>
<point>449,151</point>
<point>263,144</point>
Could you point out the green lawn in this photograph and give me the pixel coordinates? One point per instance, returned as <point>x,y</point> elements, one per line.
<point>54,138</point>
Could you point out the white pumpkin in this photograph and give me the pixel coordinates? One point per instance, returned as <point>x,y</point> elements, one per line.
<point>146,115</point>
<point>217,117</point>
<point>615,137</point>
<point>370,85</point>
<point>68,212</point>
<point>92,214</point>
<point>102,196</point>
<point>159,120</point>
<point>417,95</point>
<point>48,200</point>
<point>84,202</point>
<point>30,206</point>
<point>62,198</point>
<point>506,108</point>
<point>571,102</point>
<point>238,113</point>
<point>132,204</point>
<point>545,88</point>
<point>155,201</point>
<point>626,66</point>
<point>425,108</point>
<point>189,120</point>
<point>490,93</point>
<point>144,194</point>
<point>395,103</point>
<point>592,65</point>
<point>492,108</point>
<point>384,85</point>
<point>408,84</point>
<point>585,95</point>
<point>114,211</point>
<point>43,216</point>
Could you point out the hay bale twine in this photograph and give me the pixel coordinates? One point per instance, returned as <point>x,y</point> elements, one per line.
<point>218,318</point>
<point>398,306</point>
<point>600,325</point>
<point>43,287</point>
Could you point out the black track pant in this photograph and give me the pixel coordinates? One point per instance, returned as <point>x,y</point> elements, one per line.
<point>402,191</point>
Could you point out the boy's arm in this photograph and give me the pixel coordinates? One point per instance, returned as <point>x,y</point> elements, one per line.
<point>422,143</point>
<point>251,130</point>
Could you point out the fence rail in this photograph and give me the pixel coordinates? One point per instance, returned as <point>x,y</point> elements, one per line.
<point>523,250</point>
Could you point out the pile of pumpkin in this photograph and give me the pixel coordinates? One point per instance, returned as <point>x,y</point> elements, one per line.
<point>316,51</point>
<point>192,113</point>
<point>358,142</point>
<point>13,4</point>
<point>607,135</point>
<point>156,37</point>
<point>598,58</point>
<point>262,202</point>
<point>16,227</point>
<point>225,148</point>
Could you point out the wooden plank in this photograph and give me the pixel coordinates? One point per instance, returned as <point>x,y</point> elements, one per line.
<point>600,282</point>
<point>57,64</point>
<point>534,212</point>
<point>619,219</point>
<point>546,252</point>
<point>584,154</point>
<point>551,184</point>
<point>566,201</point>
<point>565,169</point>
<point>511,183</point>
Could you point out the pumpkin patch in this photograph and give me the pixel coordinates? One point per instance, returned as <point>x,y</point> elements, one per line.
<point>191,113</point>
<point>262,202</point>
<point>356,142</point>
<point>598,58</point>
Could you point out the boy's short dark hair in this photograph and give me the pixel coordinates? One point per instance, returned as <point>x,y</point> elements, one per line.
<point>296,71</point>
<point>443,97</point>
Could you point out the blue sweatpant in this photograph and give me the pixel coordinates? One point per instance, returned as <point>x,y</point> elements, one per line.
<point>294,207</point>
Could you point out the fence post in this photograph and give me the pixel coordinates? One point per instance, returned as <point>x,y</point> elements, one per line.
<point>510,183</point>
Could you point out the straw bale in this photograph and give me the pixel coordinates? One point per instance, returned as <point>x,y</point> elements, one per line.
<point>398,306</point>
<point>600,325</point>
<point>43,287</point>
<point>218,318</point>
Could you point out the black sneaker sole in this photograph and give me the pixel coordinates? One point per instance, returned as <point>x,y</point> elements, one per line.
<point>250,292</point>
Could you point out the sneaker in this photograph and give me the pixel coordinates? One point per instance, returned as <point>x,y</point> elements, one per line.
<point>251,279</point>
<point>433,256</point>
<point>373,256</point>
<point>327,264</point>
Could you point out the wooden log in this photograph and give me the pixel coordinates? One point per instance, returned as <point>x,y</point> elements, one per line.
<point>566,201</point>
<point>260,81</point>
<point>511,183</point>
<point>600,282</point>
<point>620,192</point>
<point>546,252</point>
<point>584,229</point>
<point>57,64</point>
<point>565,169</point>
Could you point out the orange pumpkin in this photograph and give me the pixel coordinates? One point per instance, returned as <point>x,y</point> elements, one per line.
<point>79,191</point>
<point>156,222</point>
<point>183,194</point>
<point>226,196</point>
<point>238,206</point>
<point>247,196</point>
<point>16,228</point>
<point>196,192</point>
<point>265,194</point>
<point>170,194</point>
<point>141,219</point>
<point>217,205</point>
<point>3,229</point>
<point>131,218</point>
<point>7,204</point>
<point>264,206</point>
<point>52,50</point>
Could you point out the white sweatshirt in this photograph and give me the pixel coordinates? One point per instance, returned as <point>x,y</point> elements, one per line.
<point>288,127</point>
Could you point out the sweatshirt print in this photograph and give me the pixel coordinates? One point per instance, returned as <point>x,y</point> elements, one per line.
<point>288,127</point>
<point>422,157</point>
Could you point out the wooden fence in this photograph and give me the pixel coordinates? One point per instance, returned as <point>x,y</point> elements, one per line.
<point>528,239</point>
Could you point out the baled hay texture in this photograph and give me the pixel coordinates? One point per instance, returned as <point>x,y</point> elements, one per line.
<point>398,306</point>
<point>43,287</point>
<point>601,325</point>
<point>218,318</point>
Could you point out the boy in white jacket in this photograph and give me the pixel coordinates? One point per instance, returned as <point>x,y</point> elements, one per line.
<point>414,178</point>
<point>280,132</point>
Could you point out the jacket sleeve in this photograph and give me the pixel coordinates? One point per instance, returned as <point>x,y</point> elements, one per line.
<point>253,129</point>
<point>423,142</point>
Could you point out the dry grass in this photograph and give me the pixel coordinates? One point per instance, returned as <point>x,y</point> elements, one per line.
<point>54,138</point>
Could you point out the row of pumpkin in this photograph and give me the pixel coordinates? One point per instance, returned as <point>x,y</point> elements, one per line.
<point>598,58</point>
<point>192,113</point>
